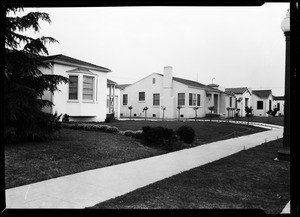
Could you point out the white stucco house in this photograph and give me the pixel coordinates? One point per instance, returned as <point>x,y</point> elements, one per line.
<point>84,97</point>
<point>243,98</point>
<point>279,104</point>
<point>262,101</point>
<point>158,91</point>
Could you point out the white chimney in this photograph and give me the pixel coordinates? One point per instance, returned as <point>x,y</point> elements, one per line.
<point>168,76</point>
<point>168,99</point>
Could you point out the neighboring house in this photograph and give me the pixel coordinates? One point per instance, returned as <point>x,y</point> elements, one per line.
<point>243,98</point>
<point>163,90</point>
<point>113,99</point>
<point>262,101</point>
<point>279,104</point>
<point>84,97</point>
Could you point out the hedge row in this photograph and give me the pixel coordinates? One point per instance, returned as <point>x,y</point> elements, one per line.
<point>103,128</point>
<point>161,137</point>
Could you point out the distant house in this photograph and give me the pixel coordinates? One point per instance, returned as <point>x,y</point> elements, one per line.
<point>279,104</point>
<point>262,101</point>
<point>243,98</point>
<point>84,97</point>
<point>113,99</point>
<point>158,91</point>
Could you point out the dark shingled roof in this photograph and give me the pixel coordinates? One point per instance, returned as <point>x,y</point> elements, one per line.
<point>237,90</point>
<point>262,93</point>
<point>278,97</point>
<point>195,84</point>
<point>73,61</point>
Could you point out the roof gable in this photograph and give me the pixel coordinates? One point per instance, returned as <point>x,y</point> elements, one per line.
<point>195,84</point>
<point>262,93</point>
<point>237,90</point>
<point>60,58</point>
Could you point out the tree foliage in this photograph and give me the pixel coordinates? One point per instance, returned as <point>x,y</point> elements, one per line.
<point>24,83</point>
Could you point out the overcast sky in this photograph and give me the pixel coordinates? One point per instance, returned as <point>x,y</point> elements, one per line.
<point>238,46</point>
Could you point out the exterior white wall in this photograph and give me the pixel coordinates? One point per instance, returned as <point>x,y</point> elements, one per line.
<point>145,85</point>
<point>168,98</point>
<point>281,107</point>
<point>79,109</point>
<point>266,103</point>
<point>187,111</point>
<point>241,105</point>
<point>225,103</point>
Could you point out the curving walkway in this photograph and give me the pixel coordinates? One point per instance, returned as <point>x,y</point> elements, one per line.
<point>88,188</point>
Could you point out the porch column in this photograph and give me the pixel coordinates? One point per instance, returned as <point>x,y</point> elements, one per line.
<point>212,100</point>
<point>109,103</point>
<point>113,101</point>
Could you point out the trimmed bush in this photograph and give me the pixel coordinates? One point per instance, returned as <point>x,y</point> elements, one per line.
<point>186,134</point>
<point>134,134</point>
<point>159,136</point>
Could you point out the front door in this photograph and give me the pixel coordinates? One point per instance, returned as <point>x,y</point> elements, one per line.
<point>216,103</point>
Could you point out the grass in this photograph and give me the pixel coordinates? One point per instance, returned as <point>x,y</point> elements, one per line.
<point>73,151</point>
<point>70,152</point>
<point>249,179</point>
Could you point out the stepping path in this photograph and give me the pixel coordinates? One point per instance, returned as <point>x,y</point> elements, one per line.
<point>88,188</point>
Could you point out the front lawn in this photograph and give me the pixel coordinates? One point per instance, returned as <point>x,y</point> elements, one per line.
<point>72,151</point>
<point>249,179</point>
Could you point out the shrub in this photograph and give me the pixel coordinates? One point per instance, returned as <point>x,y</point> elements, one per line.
<point>41,129</point>
<point>158,136</point>
<point>134,134</point>
<point>65,118</point>
<point>186,134</point>
<point>112,130</point>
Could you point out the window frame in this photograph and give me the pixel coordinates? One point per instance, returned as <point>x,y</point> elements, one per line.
<point>180,100</point>
<point>192,99</point>
<point>156,99</point>
<point>77,93</point>
<point>261,106</point>
<point>143,99</point>
<point>198,99</point>
<point>123,101</point>
<point>93,88</point>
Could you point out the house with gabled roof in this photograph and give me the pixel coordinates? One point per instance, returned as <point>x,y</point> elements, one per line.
<point>243,96</point>
<point>262,101</point>
<point>158,91</point>
<point>279,104</point>
<point>84,98</point>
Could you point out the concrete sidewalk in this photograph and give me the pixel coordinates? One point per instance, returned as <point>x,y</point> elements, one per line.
<point>88,188</point>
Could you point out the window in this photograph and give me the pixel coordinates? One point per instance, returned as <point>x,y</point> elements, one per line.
<point>260,104</point>
<point>153,80</point>
<point>270,104</point>
<point>125,99</point>
<point>230,101</point>
<point>141,96</point>
<point>73,87</point>
<point>192,99</point>
<point>278,106</point>
<point>181,98</point>
<point>88,88</point>
<point>156,99</point>
<point>198,99</point>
